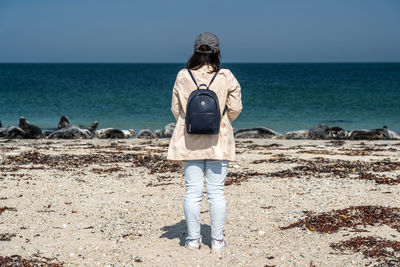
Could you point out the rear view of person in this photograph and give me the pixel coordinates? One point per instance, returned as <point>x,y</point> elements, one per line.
<point>204,153</point>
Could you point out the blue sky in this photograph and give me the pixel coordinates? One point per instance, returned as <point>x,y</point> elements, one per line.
<point>164,31</point>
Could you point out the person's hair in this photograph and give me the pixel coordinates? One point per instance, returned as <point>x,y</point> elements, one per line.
<point>197,60</point>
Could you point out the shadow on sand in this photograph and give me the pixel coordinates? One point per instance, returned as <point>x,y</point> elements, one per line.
<point>179,231</point>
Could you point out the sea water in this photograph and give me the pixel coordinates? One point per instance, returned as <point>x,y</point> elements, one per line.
<point>284,97</point>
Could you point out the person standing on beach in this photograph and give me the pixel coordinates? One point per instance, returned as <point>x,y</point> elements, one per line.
<point>205,154</point>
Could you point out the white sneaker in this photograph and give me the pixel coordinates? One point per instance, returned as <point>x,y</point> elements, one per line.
<point>218,245</point>
<point>193,243</point>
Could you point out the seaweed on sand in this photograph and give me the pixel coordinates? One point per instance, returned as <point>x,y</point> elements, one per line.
<point>18,261</point>
<point>65,162</point>
<point>7,236</point>
<point>277,158</point>
<point>385,252</point>
<point>238,178</point>
<point>321,167</point>
<point>352,217</point>
<point>2,209</point>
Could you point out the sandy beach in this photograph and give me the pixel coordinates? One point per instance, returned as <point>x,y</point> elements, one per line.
<point>120,203</point>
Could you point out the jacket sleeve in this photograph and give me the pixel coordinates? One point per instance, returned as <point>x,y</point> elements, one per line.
<point>176,104</point>
<point>234,99</point>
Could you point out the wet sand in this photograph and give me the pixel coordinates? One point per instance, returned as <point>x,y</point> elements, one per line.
<point>120,203</point>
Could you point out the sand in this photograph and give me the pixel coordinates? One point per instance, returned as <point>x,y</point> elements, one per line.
<point>119,203</point>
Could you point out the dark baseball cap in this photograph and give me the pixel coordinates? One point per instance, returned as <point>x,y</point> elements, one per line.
<point>209,39</point>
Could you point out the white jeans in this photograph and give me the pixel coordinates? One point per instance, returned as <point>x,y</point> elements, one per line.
<point>215,171</point>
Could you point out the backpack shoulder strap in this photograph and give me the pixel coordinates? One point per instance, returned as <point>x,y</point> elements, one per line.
<point>213,78</point>
<point>191,75</point>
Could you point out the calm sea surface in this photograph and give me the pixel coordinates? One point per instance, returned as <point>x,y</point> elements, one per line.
<point>283,97</point>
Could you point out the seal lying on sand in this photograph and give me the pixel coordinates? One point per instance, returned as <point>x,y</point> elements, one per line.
<point>114,133</point>
<point>319,131</point>
<point>165,132</point>
<point>24,130</point>
<point>146,133</point>
<point>67,131</point>
<point>12,132</point>
<point>259,132</point>
<point>31,131</point>
<point>168,130</point>
<point>374,134</point>
<point>299,134</point>
<point>338,133</point>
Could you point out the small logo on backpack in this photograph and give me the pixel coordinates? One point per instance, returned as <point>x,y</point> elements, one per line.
<point>202,103</point>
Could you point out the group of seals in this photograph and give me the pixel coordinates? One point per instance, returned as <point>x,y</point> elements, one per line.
<point>373,134</point>
<point>24,130</point>
<point>65,130</point>
<point>148,133</point>
<point>320,131</point>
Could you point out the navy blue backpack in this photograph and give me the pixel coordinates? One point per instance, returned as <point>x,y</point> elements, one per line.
<point>202,110</point>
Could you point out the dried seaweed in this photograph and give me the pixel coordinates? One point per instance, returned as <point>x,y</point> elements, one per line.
<point>9,169</point>
<point>352,217</point>
<point>7,236</point>
<point>385,252</point>
<point>2,209</point>
<point>18,261</point>
<point>107,170</point>
<point>321,167</point>
<point>161,180</point>
<point>336,142</point>
<point>266,207</point>
<point>132,235</point>
<point>261,146</point>
<point>343,168</point>
<point>277,158</point>
<point>379,179</point>
<point>65,162</point>
<point>314,151</point>
<point>238,178</point>
<point>159,184</point>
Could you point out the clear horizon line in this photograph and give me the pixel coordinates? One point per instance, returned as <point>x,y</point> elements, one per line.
<point>228,62</point>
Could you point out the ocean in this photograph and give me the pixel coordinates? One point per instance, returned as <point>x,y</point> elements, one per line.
<point>283,97</point>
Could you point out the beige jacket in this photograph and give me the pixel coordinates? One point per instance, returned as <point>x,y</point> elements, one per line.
<point>221,146</point>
